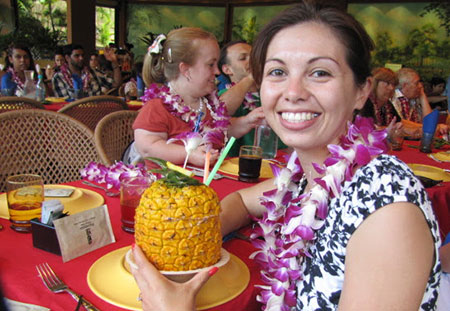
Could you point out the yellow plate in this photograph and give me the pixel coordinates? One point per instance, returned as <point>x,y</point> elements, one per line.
<point>80,200</point>
<point>135,103</point>
<point>110,280</point>
<point>432,172</point>
<point>442,156</point>
<point>56,99</point>
<point>231,166</point>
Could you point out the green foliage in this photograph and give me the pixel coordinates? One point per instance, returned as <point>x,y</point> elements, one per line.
<point>172,178</point>
<point>42,41</point>
<point>246,29</point>
<point>442,10</point>
<point>104,22</point>
<point>421,51</point>
<point>149,38</point>
<point>33,30</point>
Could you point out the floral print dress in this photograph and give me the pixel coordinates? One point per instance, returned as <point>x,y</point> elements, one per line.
<point>382,181</point>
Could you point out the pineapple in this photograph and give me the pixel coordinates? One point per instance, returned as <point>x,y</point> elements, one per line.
<point>177,223</point>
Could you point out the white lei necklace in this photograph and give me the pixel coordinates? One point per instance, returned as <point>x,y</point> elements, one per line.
<point>288,226</point>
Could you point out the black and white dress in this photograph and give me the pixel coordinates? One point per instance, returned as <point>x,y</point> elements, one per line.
<point>382,181</point>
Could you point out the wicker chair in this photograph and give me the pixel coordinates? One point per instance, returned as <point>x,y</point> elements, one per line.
<point>46,143</point>
<point>92,109</point>
<point>113,134</point>
<point>9,103</point>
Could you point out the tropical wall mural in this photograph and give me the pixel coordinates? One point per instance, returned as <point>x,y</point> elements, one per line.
<point>145,21</point>
<point>248,21</point>
<point>403,36</point>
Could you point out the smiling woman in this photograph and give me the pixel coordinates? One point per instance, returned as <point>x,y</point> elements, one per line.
<point>337,226</point>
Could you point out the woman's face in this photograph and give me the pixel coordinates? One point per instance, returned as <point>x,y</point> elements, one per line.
<point>59,60</point>
<point>20,60</point>
<point>384,91</point>
<point>308,92</point>
<point>202,74</point>
<point>93,62</point>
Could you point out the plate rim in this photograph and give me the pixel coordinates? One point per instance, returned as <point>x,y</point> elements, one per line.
<point>120,254</point>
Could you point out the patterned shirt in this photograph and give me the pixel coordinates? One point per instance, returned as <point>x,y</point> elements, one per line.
<point>97,84</point>
<point>383,181</point>
<point>408,109</point>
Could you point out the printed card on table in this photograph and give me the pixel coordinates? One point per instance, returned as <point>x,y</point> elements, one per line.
<point>84,232</point>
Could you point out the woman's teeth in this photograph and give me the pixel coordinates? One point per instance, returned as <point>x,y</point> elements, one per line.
<point>298,116</point>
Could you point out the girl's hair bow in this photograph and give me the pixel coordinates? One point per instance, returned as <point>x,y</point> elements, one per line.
<point>156,46</point>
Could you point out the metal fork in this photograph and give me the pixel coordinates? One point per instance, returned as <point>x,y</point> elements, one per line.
<point>56,285</point>
<point>108,193</point>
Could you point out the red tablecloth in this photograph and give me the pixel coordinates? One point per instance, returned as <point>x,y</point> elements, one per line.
<point>439,195</point>
<point>18,259</point>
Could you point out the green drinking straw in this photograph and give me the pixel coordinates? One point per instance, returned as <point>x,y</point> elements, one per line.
<point>221,158</point>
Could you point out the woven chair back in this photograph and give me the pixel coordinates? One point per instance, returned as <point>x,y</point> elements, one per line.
<point>92,109</point>
<point>113,134</point>
<point>46,143</point>
<point>8,103</point>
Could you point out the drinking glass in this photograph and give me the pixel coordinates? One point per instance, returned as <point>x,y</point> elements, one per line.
<point>25,194</point>
<point>426,141</point>
<point>395,138</point>
<point>266,138</point>
<point>131,190</point>
<point>250,158</point>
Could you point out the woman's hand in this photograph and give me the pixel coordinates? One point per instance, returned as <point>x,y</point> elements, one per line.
<point>198,156</point>
<point>159,293</point>
<point>443,129</point>
<point>110,54</point>
<point>242,125</point>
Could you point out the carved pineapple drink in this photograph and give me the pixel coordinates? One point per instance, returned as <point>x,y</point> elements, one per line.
<point>177,223</point>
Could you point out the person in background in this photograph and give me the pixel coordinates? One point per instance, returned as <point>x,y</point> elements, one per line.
<point>436,95</point>
<point>101,73</point>
<point>241,95</point>
<point>63,81</point>
<point>332,222</point>
<point>130,90</point>
<point>411,102</point>
<point>59,60</point>
<point>409,99</point>
<point>234,63</point>
<point>18,59</point>
<point>179,73</point>
<point>378,105</point>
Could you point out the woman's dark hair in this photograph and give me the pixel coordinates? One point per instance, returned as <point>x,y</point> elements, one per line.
<point>18,46</point>
<point>436,81</point>
<point>350,32</point>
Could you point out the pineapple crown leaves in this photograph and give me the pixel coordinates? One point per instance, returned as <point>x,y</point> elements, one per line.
<point>172,178</point>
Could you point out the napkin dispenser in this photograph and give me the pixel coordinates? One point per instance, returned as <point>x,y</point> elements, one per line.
<point>44,237</point>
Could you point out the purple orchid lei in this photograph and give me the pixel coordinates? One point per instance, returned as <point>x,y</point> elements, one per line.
<point>15,78</point>
<point>113,174</point>
<point>288,226</point>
